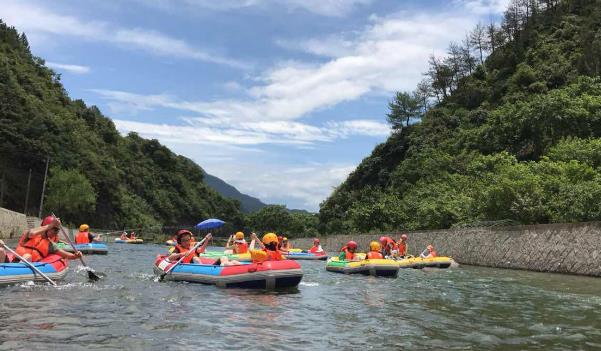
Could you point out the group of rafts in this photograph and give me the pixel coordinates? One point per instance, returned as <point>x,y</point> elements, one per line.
<point>273,266</point>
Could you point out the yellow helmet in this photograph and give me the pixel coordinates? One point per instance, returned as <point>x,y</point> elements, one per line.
<point>239,236</point>
<point>270,238</point>
<point>285,239</point>
<point>258,255</point>
<point>374,246</point>
<point>84,228</point>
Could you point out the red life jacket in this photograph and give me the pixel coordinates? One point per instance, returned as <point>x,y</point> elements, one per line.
<point>190,257</point>
<point>433,253</point>
<point>37,247</point>
<point>241,248</point>
<point>82,238</point>
<point>402,248</point>
<point>373,255</point>
<point>389,245</point>
<point>274,255</point>
<point>314,249</point>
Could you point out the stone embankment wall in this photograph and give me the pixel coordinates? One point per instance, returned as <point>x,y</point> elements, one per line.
<point>12,223</point>
<point>560,248</point>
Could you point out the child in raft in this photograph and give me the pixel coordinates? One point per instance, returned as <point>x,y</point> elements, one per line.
<point>316,248</point>
<point>374,251</point>
<point>239,245</point>
<point>269,244</point>
<point>348,252</point>
<point>124,236</point>
<point>286,246</point>
<point>431,252</point>
<point>184,239</point>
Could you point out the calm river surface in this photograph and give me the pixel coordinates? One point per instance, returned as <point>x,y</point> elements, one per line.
<point>463,308</point>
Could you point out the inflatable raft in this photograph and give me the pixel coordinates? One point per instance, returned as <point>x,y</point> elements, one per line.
<point>129,241</point>
<point>53,266</point>
<point>377,268</point>
<point>265,275</point>
<point>433,262</point>
<point>216,254</point>
<point>299,255</point>
<point>86,249</point>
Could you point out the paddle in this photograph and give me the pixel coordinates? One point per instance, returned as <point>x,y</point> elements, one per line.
<point>91,275</point>
<point>34,268</point>
<point>181,259</point>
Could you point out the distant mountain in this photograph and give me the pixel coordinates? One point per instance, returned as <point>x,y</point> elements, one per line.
<point>247,203</point>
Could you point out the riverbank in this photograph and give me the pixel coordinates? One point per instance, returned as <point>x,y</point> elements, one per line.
<point>558,248</point>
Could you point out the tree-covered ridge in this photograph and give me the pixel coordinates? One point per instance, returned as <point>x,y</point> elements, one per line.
<point>513,133</point>
<point>96,175</point>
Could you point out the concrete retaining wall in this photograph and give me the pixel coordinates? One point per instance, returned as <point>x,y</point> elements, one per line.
<point>12,224</point>
<point>560,248</point>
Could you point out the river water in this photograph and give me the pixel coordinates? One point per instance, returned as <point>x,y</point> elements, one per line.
<point>467,308</point>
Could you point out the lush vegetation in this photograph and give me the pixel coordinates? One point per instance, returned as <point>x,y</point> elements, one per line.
<point>278,219</point>
<point>507,126</point>
<point>96,175</point>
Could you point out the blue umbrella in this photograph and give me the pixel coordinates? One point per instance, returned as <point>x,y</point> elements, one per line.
<point>210,223</point>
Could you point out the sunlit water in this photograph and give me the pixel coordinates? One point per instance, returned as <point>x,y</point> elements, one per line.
<point>464,308</point>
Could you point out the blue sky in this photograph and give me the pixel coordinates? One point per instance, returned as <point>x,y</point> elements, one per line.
<point>280,98</point>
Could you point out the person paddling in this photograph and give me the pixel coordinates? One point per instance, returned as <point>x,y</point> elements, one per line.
<point>184,238</point>
<point>374,251</point>
<point>84,236</point>
<point>269,244</point>
<point>348,251</point>
<point>38,243</point>
<point>316,248</point>
<point>431,252</point>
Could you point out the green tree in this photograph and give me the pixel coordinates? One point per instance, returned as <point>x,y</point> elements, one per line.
<point>403,108</point>
<point>70,195</point>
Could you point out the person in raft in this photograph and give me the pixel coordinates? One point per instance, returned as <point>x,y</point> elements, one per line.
<point>286,246</point>
<point>5,257</point>
<point>269,244</point>
<point>431,252</point>
<point>239,245</point>
<point>348,251</point>
<point>124,236</point>
<point>374,251</point>
<point>402,245</point>
<point>38,243</point>
<point>389,247</point>
<point>131,236</point>
<point>84,236</point>
<point>184,239</point>
<point>316,248</point>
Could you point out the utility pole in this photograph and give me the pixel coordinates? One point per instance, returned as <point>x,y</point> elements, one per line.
<point>27,192</point>
<point>2,190</point>
<point>43,187</point>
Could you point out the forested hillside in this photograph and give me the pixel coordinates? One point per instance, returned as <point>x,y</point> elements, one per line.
<point>506,127</point>
<point>96,175</point>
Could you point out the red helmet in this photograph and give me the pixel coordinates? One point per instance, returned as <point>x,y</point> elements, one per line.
<point>47,220</point>
<point>383,240</point>
<point>404,236</point>
<point>181,233</point>
<point>315,241</point>
<point>351,245</point>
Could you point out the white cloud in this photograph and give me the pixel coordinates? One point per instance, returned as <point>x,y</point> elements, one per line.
<point>38,22</point>
<point>332,8</point>
<point>76,69</point>
<point>484,7</point>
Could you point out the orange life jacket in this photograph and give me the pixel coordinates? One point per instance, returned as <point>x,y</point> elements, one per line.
<point>37,247</point>
<point>241,248</point>
<point>347,254</point>
<point>274,255</point>
<point>82,238</point>
<point>373,255</point>
<point>402,248</point>
<point>389,245</point>
<point>190,257</point>
<point>433,253</point>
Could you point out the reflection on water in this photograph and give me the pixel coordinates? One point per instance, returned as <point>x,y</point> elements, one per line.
<point>465,308</point>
